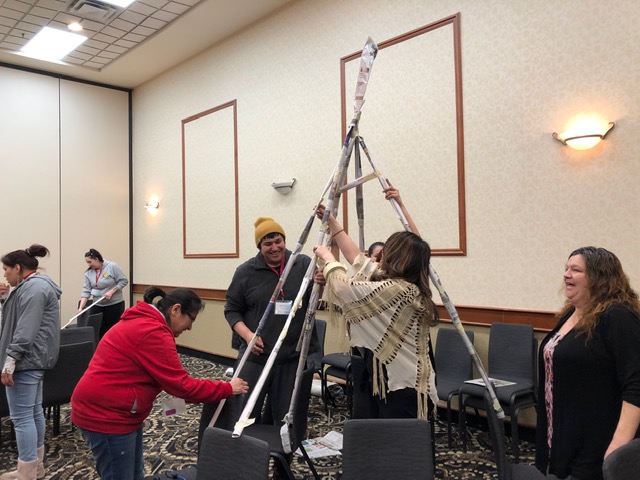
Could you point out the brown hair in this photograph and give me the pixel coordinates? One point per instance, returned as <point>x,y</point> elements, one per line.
<point>407,256</point>
<point>608,285</point>
<point>25,258</point>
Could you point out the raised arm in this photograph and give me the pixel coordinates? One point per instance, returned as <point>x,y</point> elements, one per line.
<point>347,246</point>
<point>392,192</point>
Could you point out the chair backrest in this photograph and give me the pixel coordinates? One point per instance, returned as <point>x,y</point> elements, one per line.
<point>94,321</point>
<point>380,449</point>
<point>73,335</point>
<point>59,382</point>
<point>314,360</point>
<point>301,410</point>
<point>623,463</point>
<point>453,360</point>
<point>223,457</point>
<point>512,353</point>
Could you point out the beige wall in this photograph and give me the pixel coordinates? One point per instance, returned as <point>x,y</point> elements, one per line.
<point>64,152</point>
<point>528,67</point>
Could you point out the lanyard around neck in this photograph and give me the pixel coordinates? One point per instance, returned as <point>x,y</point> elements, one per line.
<point>279,273</point>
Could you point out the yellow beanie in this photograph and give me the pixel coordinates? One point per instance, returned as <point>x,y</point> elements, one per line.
<point>265,226</point>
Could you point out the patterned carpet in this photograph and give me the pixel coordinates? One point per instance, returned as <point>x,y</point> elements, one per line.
<point>170,443</point>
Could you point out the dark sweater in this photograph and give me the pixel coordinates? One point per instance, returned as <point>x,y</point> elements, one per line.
<point>590,381</point>
<point>248,296</point>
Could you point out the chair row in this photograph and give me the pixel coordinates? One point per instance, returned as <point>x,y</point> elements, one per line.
<point>512,358</point>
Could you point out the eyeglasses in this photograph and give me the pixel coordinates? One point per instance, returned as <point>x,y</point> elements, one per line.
<point>193,319</point>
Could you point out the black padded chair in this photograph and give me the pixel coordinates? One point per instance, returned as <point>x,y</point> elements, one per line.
<point>454,365</point>
<point>60,381</point>
<point>94,320</point>
<point>77,334</point>
<point>337,365</point>
<point>271,433</point>
<point>512,357</point>
<point>381,449</point>
<point>506,470</point>
<point>623,463</point>
<point>223,457</point>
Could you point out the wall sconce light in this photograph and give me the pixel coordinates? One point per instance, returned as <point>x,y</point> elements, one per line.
<point>582,135</point>
<point>153,206</point>
<point>284,187</point>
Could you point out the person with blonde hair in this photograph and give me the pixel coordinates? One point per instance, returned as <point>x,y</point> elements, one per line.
<point>589,369</point>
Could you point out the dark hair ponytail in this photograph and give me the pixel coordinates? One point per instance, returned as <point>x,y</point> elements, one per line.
<point>25,258</point>
<point>93,253</point>
<point>189,302</point>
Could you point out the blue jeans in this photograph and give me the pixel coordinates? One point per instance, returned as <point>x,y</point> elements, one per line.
<point>25,408</point>
<point>117,456</point>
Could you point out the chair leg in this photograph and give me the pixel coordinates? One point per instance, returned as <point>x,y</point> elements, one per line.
<point>462,422</point>
<point>307,459</point>
<point>514,437</point>
<point>449,421</point>
<point>56,420</point>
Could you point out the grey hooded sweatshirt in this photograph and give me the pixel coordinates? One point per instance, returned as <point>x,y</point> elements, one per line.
<point>31,324</point>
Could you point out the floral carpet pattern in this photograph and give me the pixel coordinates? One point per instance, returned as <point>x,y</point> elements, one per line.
<point>171,443</point>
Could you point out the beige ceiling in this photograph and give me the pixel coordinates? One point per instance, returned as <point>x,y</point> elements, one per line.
<point>126,47</point>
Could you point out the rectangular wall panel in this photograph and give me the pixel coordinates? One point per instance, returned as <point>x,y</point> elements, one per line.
<point>94,182</point>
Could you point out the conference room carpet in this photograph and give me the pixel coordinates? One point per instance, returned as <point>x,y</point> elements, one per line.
<point>170,443</point>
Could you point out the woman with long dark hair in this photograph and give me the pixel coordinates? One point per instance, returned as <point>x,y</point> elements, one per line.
<point>133,363</point>
<point>29,345</point>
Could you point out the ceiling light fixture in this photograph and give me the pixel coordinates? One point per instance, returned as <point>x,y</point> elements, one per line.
<point>119,3</point>
<point>75,27</point>
<point>52,44</point>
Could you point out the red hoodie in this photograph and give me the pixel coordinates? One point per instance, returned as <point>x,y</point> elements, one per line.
<point>133,363</point>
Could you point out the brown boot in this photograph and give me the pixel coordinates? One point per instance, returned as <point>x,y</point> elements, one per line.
<point>40,467</point>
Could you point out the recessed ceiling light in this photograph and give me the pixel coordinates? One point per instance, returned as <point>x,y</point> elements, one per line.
<point>75,27</point>
<point>120,3</point>
<point>52,44</point>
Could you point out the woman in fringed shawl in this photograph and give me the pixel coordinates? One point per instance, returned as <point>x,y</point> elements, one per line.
<point>388,310</point>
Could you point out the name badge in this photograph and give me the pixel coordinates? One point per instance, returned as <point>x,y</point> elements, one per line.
<point>173,406</point>
<point>283,307</point>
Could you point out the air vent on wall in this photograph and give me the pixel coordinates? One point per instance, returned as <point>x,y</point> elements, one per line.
<point>93,10</point>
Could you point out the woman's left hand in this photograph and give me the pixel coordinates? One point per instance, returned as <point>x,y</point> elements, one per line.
<point>324,254</point>
<point>108,295</point>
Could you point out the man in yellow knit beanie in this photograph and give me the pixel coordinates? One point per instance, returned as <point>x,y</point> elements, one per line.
<point>247,299</point>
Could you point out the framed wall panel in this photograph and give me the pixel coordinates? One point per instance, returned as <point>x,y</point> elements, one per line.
<point>210,183</point>
<point>419,149</point>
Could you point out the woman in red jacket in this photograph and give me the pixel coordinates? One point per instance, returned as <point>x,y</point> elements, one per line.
<point>133,363</point>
